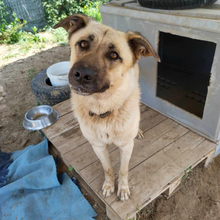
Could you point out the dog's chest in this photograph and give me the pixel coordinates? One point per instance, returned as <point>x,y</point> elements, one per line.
<point>106,130</point>
<point>106,136</point>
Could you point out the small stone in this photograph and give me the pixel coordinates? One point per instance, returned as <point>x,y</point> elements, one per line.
<point>1,98</point>
<point>24,142</point>
<point>20,61</point>
<point>2,107</point>
<point>1,89</point>
<point>9,141</point>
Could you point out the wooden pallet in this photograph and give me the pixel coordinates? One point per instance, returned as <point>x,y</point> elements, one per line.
<point>157,164</point>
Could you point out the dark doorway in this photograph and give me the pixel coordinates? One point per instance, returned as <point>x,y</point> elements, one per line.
<point>184,72</point>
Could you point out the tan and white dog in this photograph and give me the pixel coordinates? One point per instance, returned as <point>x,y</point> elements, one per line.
<point>105,91</point>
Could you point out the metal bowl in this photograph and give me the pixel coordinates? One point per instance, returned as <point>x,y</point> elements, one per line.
<point>40,117</point>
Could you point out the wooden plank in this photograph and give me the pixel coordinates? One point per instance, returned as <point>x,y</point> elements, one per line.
<point>78,151</point>
<point>195,154</point>
<point>85,159</point>
<point>111,214</point>
<point>150,113</point>
<point>90,191</point>
<point>63,107</point>
<point>143,107</point>
<point>173,185</point>
<point>69,140</point>
<point>63,124</point>
<point>93,171</point>
<point>149,123</point>
<point>160,177</point>
<point>162,142</point>
<point>210,157</point>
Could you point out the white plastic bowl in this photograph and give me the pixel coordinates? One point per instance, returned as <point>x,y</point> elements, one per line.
<point>58,73</point>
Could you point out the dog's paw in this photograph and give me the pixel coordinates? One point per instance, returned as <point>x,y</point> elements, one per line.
<point>123,191</point>
<point>140,134</point>
<point>108,188</point>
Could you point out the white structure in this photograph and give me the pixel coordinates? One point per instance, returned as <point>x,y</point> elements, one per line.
<point>186,84</point>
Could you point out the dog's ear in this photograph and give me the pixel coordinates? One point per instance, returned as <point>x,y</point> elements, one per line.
<point>140,46</point>
<point>73,23</point>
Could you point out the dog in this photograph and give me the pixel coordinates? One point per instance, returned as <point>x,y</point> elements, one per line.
<point>105,91</point>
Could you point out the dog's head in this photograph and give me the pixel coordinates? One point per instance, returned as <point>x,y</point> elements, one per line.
<point>100,55</point>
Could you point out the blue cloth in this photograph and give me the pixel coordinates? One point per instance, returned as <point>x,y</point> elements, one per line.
<point>30,190</point>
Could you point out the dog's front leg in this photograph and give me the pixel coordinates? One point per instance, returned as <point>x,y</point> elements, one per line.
<point>123,187</point>
<point>103,155</point>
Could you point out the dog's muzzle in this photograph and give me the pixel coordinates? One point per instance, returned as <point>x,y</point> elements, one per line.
<point>82,75</point>
<point>85,81</point>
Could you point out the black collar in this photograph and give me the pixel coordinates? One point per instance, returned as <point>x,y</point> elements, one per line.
<point>104,115</point>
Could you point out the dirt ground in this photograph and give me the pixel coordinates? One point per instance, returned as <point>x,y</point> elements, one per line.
<point>198,197</point>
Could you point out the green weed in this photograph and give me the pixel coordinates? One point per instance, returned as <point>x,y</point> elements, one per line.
<point>186,173</point>
<point>10,33</point>
<point>9,56</point>
<point>138,214</point>
<point>37,103</point>
<point>31,73</point>
<point>60,36</point>
<point>31,132</point>
<point>92,10</point>
<point>57,10</point>
<point>13,33</point>
<point>70,169</point>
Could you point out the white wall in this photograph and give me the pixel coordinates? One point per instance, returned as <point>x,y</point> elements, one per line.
<point>218,2</point>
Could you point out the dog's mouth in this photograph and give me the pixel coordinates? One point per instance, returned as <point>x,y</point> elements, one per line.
<point>81,91</point>
<point>84,92</point>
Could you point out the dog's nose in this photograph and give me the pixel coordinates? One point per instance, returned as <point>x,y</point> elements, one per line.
<point>83,74</point>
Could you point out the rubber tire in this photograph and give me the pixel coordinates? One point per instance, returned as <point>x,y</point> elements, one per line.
<point>46,94</point>
<point>174,4</point>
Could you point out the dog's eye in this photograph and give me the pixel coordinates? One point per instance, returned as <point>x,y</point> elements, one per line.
<point>83,44</point>
<point>114,55</point>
